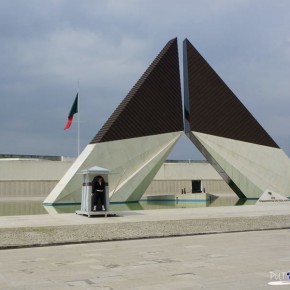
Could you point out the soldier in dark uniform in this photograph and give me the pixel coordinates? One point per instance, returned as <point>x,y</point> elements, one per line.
<point>98,193</point>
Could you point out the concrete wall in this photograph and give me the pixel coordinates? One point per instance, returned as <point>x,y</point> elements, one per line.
<point>27,188</point>
<point>174,177</point>
<point>30,177</point>
<point>32,169</point>
<point>33,177</point>
<point>186,171</point>
<point>160,187</point>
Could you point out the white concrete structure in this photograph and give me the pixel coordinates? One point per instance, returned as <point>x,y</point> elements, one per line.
<point>251,167</point>
<point>137,138</point>
<point>228,135</point>
<point>271,197</point>
<point>132,163</point>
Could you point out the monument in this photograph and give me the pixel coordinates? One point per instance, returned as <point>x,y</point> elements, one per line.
<point>141,132</point>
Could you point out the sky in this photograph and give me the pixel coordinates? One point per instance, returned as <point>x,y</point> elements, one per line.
<point>51,49</point>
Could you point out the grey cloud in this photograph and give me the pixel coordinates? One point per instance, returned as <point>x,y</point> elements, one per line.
<point>47,46</point>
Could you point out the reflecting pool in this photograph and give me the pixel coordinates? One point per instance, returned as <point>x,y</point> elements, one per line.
<point>34,206</point>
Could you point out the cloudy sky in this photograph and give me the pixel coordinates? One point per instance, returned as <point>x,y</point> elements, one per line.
<point>48,46</point>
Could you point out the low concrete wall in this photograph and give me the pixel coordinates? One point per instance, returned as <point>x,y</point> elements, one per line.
<point>158,187</point>
<point>26,188</point>
<point>186,171</point>
<point>32,169</point>
<point>37,177</point>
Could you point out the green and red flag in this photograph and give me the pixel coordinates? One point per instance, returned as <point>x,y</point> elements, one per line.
<point>73,110</point>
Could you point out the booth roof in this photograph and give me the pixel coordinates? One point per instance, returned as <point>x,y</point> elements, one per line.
<point>95,169</point>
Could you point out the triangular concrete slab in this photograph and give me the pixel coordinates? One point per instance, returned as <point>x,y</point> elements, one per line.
<point>227,134</point>
<point>271,197</point>
<point>137,137</point>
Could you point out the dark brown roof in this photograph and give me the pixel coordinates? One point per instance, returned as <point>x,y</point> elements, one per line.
<point>153,106</point>
<point>212,108</point>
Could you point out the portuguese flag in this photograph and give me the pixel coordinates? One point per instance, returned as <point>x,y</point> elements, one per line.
<point>73,110</point>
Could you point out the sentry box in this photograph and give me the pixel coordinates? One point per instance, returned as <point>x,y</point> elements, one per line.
<point>95,192</point>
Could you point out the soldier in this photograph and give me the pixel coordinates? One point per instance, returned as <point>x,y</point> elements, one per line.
<point>98,192</point>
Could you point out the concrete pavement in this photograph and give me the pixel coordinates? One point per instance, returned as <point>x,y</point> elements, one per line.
<point>55,219</point>
<point>54,229</point>
<point>241,247</point>
<point>244,260</point>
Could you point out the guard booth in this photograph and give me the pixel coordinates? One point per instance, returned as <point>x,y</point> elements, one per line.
<point>90,205</point>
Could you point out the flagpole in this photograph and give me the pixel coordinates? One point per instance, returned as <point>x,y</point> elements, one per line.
<point>78,118</point>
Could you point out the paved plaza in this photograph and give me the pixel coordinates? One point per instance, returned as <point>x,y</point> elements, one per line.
<point>245,260</point>
<point>229,247</point>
